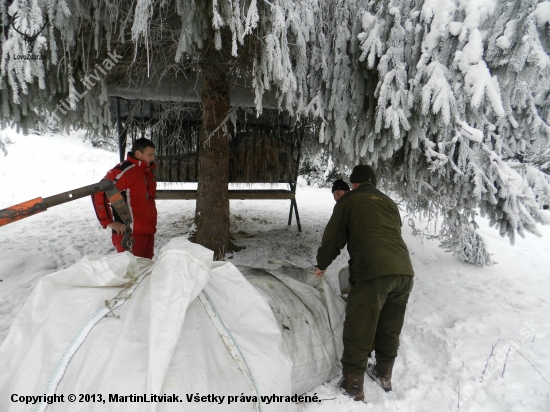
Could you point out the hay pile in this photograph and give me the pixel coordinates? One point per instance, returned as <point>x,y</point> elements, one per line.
<point>261,161</point>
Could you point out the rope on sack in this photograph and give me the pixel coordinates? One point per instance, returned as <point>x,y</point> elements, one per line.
<point>231,344</point>
<point>92,320</point>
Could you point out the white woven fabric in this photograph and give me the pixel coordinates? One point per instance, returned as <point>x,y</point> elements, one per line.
<point>184,325</point>
<point>310,317</point>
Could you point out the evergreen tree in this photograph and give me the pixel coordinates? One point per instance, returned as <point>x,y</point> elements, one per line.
<point>441,96</point>
<point>454,90</point>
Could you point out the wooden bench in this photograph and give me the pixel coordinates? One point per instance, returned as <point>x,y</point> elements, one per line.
<point>234,194</point>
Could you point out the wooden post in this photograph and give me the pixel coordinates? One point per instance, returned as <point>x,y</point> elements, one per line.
<point>121,133</point>
<point>293,204</point>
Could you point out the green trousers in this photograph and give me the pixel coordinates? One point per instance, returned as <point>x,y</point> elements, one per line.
<point>375,312</point>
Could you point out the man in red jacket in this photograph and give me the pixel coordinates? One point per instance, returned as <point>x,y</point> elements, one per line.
<point>134,178</point>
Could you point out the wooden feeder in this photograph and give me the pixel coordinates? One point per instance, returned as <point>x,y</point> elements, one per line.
<point>264,149</point>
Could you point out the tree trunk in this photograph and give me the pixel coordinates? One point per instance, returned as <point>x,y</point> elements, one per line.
<point>212,212</point>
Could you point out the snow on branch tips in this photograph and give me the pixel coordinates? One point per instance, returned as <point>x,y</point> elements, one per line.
<point>252,18</point>
<point>477,12</point>
<point>516,210</point>
<point>437,92</point>
<point>371,45</point>
<point>438,14</point>
<point>477,78</point>
<point>393,103</point>
<point>142,17</point>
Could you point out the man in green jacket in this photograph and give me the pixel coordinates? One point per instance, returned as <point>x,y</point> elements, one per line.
<point>381,279</point>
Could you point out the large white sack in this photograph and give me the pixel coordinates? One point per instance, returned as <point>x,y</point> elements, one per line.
<point>310,316</point>
<point>161,339</point>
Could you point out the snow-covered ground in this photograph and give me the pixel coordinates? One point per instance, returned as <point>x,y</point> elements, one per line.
<point>457,316</point>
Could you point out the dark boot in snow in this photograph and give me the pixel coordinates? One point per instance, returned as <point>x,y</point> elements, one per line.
<point>380,372</point>
<point>351,385</point>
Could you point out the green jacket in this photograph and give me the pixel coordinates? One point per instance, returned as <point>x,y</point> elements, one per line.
<point>369,222</point>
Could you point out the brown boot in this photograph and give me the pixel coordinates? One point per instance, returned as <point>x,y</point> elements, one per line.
<point>381,373</point>
<point>351,385</point>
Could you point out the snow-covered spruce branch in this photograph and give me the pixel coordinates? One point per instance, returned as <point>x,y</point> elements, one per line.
<point>391,84</point>
<point>520,210</point>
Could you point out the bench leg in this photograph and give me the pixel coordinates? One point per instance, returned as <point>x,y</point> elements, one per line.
<point>290,213</point>
<point>295,204</point>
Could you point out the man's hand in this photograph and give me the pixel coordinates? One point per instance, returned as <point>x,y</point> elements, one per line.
<point>319,273</point>
<point>117,227</point>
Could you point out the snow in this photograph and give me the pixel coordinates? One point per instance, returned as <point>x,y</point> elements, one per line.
<point>477,77</point>
<point>475,135</point>
<point>542,14</point>
<point>472,52</point>
<point>441,11</point>
<point>438,92</point>
<point>370,39</point>
<point>477,11</point>
<point>455,28</point>
<point>367,21</point>
<point>504,41</point>
<point>456,312</point>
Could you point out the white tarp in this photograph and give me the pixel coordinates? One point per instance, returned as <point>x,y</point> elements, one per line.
<point>183,325</point>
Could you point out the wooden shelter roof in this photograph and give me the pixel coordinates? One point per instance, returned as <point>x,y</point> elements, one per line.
<point>187,89</point>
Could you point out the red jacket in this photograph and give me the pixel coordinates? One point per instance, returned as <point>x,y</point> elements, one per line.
<point>135,180</point>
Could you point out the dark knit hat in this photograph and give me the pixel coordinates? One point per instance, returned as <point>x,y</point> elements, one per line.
<point>340,185</point>
<point>362,174</point>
